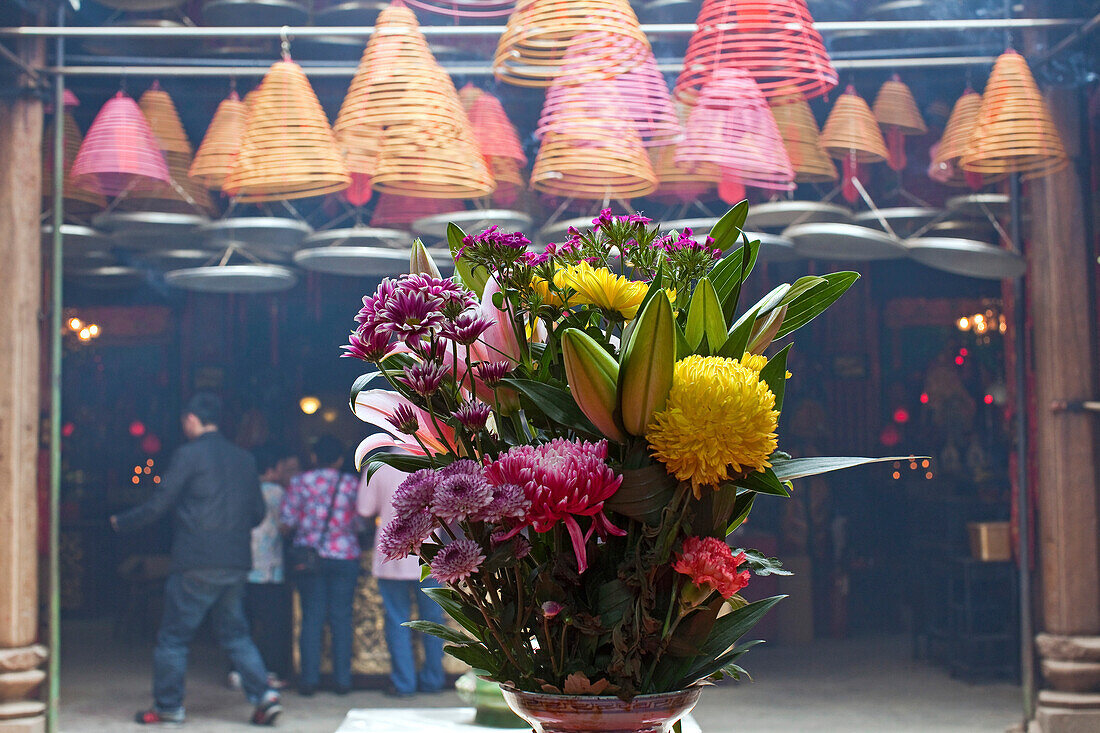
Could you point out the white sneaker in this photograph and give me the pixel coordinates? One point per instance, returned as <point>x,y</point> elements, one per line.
<point>233,681</point>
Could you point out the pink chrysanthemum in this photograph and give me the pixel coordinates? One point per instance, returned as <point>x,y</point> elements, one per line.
<point>423,378</point>
<point>563,480</point>
<point>455,297</point>
<point>404,420</point>
<point>416,492</point>
<point>472,415</point>
<point>461,495</point>
<point>710,563</point>
<point>372,303</point>
<point>367,345</point>
<point>491,372</point>
<point>466,327</point>
<point>410,315</point>
<point>404,535</point>
<point>457,561</point>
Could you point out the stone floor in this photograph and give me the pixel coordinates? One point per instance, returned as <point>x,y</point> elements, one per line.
<point>867,685</point>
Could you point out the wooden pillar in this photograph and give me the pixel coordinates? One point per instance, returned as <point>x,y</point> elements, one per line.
<point>20,275</point>
<point>1064,338</point>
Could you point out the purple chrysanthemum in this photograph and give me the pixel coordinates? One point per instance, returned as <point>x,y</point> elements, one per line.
<point>404,535</point>
<point>371,303</point>
<point>423,378</point>
<point>404,420</point>
<point>416,492</point>
<point>509,502</point>
<point>411,315</point>
<point>466,327</point>
<point>472,415</point>
<point>492,372</point>
<point>434,350</point>
<point>370,347</point>
<point>462,465</point>
<point>461,495</point>
<point>455,297</point>
<point>457,561</point>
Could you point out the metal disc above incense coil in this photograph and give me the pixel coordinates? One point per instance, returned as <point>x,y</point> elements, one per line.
<point>252,278</point>
<point>979,230</point>
<point>260,233</point>
<point>109,277</point>
<point>353,12</point>
<point>774,247</point>
<point>75,238</point>
<point>848,242</point>
<point>904,220</point>
<point>558,232</point>
<point>966,257</point>
<point>175,259</point>
<point>255,12</point>
<point>977,204</point>
<point>365,261</point>
<point>150,229</point>
<point>473,222</point>
<point>778,215</point>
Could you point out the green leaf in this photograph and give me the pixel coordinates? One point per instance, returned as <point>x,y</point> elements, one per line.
<point>728,275</point>
<point>447,599</point>
<point>612,599</point>
<point>741,509</point>
<point>476,656</point>
<point>705,317</point>
<point>800,286</point>
<point>402,462</point>
<point>737,340</point>
<point>727,630</point>
<point>446,633</point>
<point>556,403</point>
<point>810,304</point>
<point>727,229</point>
<point>361,384</point>
<point>795,468</point>
<point>475,277</point>
<point>683,348</point>
<point>774,374</point>
<point>726,660</point>
<point>763,482</point>
<point>761,564</point>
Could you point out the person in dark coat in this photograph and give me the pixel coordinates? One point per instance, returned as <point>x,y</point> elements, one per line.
<point>213,491</point>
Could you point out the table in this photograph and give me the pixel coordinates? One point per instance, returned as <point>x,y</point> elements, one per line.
<point>431,720</point>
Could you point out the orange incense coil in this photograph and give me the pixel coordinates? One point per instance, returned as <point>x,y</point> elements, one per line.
<point>288,150</point>
<point>680,183</point>
<point>595,38</point>
<point>774,40</point>
<point>164,121</point>
<point>1014,132</point>
<point>801,137</point>
<point>851,130</point>
<point>956,134</point>
<point>432,161</point>
<point>896,112</point>
<point>602,161</point>
<point>221,143</point>
<point>77,200</point>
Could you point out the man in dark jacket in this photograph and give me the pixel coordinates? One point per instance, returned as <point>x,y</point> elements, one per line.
<point>213,490</point>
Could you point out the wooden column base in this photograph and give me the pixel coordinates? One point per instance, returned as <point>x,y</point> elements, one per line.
<point>1071,668</point>
<point>19,677</point>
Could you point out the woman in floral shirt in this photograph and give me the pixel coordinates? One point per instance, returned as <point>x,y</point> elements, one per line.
<point>330,592</point>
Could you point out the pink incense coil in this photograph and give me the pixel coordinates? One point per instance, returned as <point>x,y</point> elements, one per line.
<point>495,133</point>
<point>70,99</point>
<point>396,210</point>
<point>774,40</point>
<point>119,153</point>
<point>732,127</point>
<point>466,8</point>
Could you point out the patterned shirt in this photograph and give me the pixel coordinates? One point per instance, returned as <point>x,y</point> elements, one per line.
<point>267,543</point>
<point>306,503</point>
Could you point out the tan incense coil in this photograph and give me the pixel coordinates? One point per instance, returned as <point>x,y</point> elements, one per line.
<point>427,161</point>
<point>182,194</point>
<point>508,175</point>
<point>852,131</point>
<point>956,134</point>
<point>164,121</point>
<point>604,160</point>
<point>895,107</point>
<point>801,137</point>
<point>596,38</point>
<point>681,183</point>
<point>469,94</point>
<point>221,143</point>
<point>77,200</point>
<point>288,150</point>
<point>1014,132</point>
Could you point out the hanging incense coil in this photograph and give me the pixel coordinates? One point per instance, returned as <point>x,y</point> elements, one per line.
<point>466,8</point>
<point>77,200</point>
<point>421,160</point>
<point>732,127</point>
<point>181,194</point>
<point>1014,132</point>
<point>851,130</point>
<point>469,94</point>
<point>774,40</point>
<point>596,38</point>
<point>288,150</point>
<point>956,134</point>
<point>221,143</point>
<point>801,138</point>
<point>394,210</point>
<point>164,121</point>
<point>604,160</point>
<point>495,133</point>
<point>678,183</point>
<point>509,178</point>
<point>119,152</point>
<point>897,114</point>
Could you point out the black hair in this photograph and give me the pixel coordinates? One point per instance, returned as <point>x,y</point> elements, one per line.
<point>328,450</point>
<point>269,455</point>
<point>206,406</point>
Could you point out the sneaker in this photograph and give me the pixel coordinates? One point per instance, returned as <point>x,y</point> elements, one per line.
<point>268,710</point>
<point>153,716</point>
<point>275,682</point>
<point>233,680</point>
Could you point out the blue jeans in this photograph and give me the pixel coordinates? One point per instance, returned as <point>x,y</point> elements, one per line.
<point>188,597</point>
<point>397,598</point>
<point>327,594</point>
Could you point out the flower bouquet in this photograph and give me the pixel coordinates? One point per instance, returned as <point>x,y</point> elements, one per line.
<point>583,427</point>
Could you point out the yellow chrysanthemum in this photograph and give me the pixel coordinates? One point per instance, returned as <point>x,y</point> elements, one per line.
<point>719,418</point>
<point>554,296</point>
<point>756,362</point>
<point>604,289</point>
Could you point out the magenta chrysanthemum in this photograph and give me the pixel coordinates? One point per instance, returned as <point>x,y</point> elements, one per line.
<point>491,372</point>
<point>455,298</point>
<point>410,314</point>
<point>466,327</point>
<point>457,561</point>
<point>368,346</point>
<point>423,378</point>
<point>416,492</point>
<point>472,415</point>
<point>404,535</point>
<point>563,480</point>
<point>372,303</point>
<point>404,420</point>
<point>461,495</point>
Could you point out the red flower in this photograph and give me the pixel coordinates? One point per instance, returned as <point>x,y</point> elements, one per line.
<point>709,562</point>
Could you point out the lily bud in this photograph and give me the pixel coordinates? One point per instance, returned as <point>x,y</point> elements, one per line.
<point>764,331</point>
<point>421,261</point>
<point>593,380</point>
<point>645,373</point>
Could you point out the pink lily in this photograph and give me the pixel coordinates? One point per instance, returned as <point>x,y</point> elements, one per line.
<point>374,407</point>
<point>499,341</point>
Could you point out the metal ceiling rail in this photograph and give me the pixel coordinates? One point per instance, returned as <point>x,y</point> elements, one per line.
<point>488,31</point>
<point>465,69</point>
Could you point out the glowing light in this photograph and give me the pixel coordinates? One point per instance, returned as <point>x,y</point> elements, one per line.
<point>137,469</point>
<point>75,324</point>
<point>901,415</point>
<point>156,479</point>
<point>146,470</point>
<point>913,466</point>
<point>93,330</point>
<point>135,479</point>
<point>84,334</point>
<point>924,398</point>
<point>928,475</point>
<point>959,360</point>
<point>329,415</point>
<point>68,429</point>
<point>925,463</point>
<point>897,464</point>
<point>988,399</point>
<point>896,475</point>
<point>964,352</point>
<point>963,324</point>
<point>149,463</point>
<point>137,428</point>
<point>309,404</point>
<point>151,444</point>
